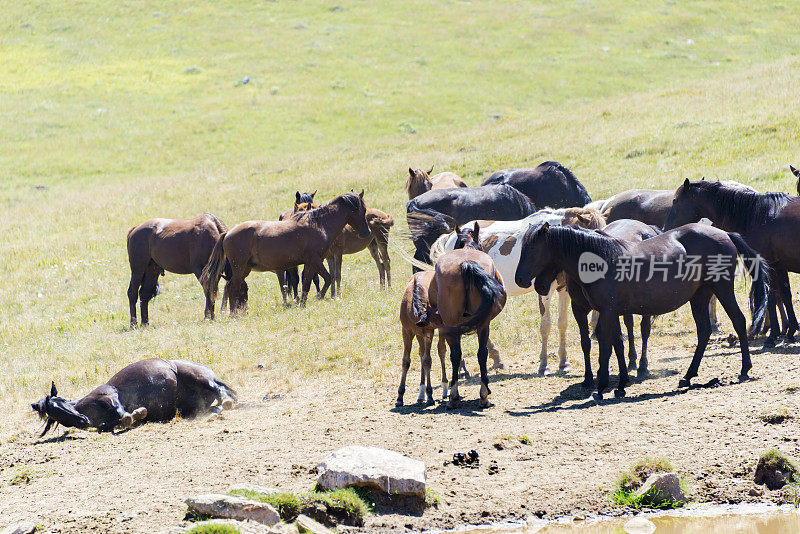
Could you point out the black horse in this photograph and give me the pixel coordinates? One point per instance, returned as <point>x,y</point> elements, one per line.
<point>546,251</point>
<point>549,185</point>
<point>768,222</point>
<point>436,212</point>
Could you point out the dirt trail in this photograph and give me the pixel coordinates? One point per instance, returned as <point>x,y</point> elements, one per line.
<point>136,481</point>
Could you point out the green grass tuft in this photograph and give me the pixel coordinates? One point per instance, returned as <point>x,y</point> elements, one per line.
<point>351,504</point>
<point>525,440</point>
<point>775,416</point>
<point>287,504</point>
<point>214,529</point>
<point>432,498</point>
<point>630,481</point>
<point>775,459</point>
<point>23,476</point>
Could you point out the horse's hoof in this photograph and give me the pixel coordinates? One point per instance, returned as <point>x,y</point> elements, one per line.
<point>597,397</point>
<point>619,393</point>
<point>227,404</point>
<point>631,367</point>
<point>484,403</point>
<point>139,413</point>
<point>421,400</point>
<point>430,402</point>
<point>770,343</point>
<point>126,421</point>
<point>543,372</point>
<point>453,403</point>
<point>398,403</point>
<point>565,368</point>
<point>684,383</point>
<point>587,383</point>
<point>499,366</point>
<point>743,377</point>
<point>790,337</point>
<point>642,374</point>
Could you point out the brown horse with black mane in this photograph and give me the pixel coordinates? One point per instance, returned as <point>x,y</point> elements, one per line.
<point>180,246</point>
<point>466,294</point>
<point>302,239</point>
<point>419,181</point>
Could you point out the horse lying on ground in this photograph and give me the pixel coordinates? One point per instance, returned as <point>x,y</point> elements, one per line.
<point>549,250</point>
<point>302,239</point>
<point>769,222</point>
<point>549,184</point>
<point>419,181</point>
<point>502,240</point>
<point>180,246</point>
<point>154,389</point>
<point>466,294</point>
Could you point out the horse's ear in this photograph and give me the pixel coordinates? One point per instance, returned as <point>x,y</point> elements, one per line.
<point>430,171</point>
<point>313,194</point>
<point>686,184</point>
<point>361,194</point>
<point>53,390</point>
<point>411,171</point>
<point>583,217</point>
<point>794,171</point>
<point>545,226</point>
<point>297,197</point>
<point>476,230</point>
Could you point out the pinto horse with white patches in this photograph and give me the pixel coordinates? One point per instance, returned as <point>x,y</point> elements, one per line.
<point>502,241</point>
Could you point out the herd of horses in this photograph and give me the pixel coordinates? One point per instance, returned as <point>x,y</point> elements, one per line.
<point>522,230</point>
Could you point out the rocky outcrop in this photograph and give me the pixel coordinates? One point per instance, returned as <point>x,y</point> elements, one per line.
<point>23,527</point>
<point>662,489</point>
<point>229,507</point>
<point>387,470</point>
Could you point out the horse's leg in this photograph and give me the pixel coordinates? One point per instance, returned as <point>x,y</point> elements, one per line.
<point>133,294</point>
<point>605,336</point>
<point>148,289</point>
<point>700,313</point>
<point>619,349</point>
<point>387,263</point>
<point>731,307</point>
<point>483,353</point>
<point>593,323</point>
<point>544,330</point>
<point>312,267</point>
<point>441,347</point>
<point>373,250</point>
<point>786,299</point>
<point>712,315</point>
<point>563,321</point>
<point>454,342</point>
<point>338,277</point>
<point>225,297</point>
<point>426,391</point>
<point>580,313</point>
<point>408,338</point>
<point>282,276</point>
<point>494,354</point>
<point>647,322</point>
<point>772,299</point>
<point>209,311</point>
<point>628,319</point>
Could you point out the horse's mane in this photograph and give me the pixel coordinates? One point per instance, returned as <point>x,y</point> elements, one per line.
<point>351,200</point>
<point>741,207</point>
<point>570,177</point>
<point>575,241</point>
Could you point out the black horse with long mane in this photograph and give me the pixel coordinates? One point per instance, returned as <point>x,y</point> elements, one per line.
<point>546,251</point>
<point>768,222</point>
<point>550,184</point>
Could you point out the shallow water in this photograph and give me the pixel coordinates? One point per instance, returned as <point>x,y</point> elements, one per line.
<point>700,519</point>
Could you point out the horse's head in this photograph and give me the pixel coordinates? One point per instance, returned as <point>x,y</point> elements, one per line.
<point>468,238</point>
<point>357,217</point>
<point>58,410</point>
<point>304,206</point>
<point>583,218</point>
<point>536,260</point>
<point>686,206</point>
<point>302,198</point>
<point>418,182</point>
<point>796,173</point>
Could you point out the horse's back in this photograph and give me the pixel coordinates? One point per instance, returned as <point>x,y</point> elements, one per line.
<point>151,383</point>
<point>451,295</point>
<point>650,206</point>
<point>446,180</point>
<point>548,184</point>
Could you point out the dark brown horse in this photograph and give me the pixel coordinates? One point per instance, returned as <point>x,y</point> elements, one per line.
<point>180,246</point>
<point>377,241</point>
<point>303,239</point>
<point>467,293</point>
<point>769,222</point>
<point>153,389</point>
<point>662,283</point>
<point>419,181</point>
<point>550,184</point>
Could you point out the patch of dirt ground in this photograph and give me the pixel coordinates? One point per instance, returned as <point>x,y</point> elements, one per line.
<point>136,481</point>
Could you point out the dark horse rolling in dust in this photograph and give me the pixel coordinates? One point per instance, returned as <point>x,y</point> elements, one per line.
<point>549,250</point>
<point>180,246</point>
<point>153,389</point>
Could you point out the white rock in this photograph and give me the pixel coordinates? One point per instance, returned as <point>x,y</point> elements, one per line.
<point>390,471</point>
<point>639,525</point>
<point>229,507</point>
<point>308,525</point>
<point>23,527</point>
<point>662,488</point>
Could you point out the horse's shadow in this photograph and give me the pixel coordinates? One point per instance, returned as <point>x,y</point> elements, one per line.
<point>66,436</point>
<point>469,408</point>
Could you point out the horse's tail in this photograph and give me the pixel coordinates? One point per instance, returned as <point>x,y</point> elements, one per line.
<point>213,270</point>
<point>439,247</point>
<point>489,288</point>
<point>419,305</point>
<point>424,226</point>
<point>760,271</point>
<point>221,228</point>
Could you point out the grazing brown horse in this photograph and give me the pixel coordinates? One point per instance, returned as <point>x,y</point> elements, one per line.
<point>467,293</point>
<point>153,389</point>
<point>768,222</point>
<point>415,320</point>
<point>419,181</point>
<point>180,246</point>
<point>377,241</point>
<point>550,250</point>
<point>302,239</point>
